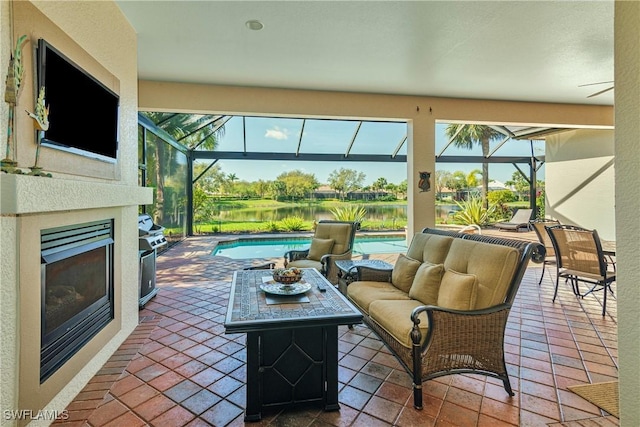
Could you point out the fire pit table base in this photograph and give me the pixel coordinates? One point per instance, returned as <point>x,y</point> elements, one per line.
<point>292,366</point>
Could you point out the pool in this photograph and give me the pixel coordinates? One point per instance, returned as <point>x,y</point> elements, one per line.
<point>273,248</point>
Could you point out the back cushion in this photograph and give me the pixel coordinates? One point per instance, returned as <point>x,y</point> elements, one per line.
<point>339,232</point>
<point>319,248</point>
<point>493,265</point>
<point>403,272</point>
<point>426,283</point>
<point>431,248</point>
<point>458,291</point>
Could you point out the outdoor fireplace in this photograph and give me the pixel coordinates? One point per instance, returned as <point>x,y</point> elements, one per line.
<point>77,289</point>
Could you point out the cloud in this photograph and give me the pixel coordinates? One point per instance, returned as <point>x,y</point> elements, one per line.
<point>277,133</point>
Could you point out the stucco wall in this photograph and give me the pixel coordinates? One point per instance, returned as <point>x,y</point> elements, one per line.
<point>99,38</point>
<point>579,179</point>
<point>627,115</point>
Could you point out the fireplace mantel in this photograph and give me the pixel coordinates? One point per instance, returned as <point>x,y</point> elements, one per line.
<point>25,194</point>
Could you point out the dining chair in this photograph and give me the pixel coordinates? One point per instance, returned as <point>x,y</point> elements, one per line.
<point>580,258</point>
<point>538,226</point>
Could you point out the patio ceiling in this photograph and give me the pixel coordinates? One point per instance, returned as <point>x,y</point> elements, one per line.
<point>540,51</point>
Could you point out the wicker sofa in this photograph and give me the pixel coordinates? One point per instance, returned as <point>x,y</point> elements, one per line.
<point>444,307</point>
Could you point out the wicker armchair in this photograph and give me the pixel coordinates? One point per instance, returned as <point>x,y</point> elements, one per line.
<point>538,226</point>
<point>580,258</point>
<point>337,236</point>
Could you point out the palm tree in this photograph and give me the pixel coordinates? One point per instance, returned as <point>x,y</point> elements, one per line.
<point>191,130</point>
<point>466,136</point>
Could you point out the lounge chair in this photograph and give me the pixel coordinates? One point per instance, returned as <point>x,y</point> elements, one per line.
<point>519,220</point>
<point>332,241</point>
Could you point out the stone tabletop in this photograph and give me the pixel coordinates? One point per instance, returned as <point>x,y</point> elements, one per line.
<point>248,308</point>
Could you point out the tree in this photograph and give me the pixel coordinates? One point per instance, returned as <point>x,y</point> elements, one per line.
<point>519,183</point>
<point>443,180</point>
<point>466,136</point>
<point>345,180</point>
<point>181,128</point>
<point>472,178</point>
<point>297,184</point>
<point>379,184</point>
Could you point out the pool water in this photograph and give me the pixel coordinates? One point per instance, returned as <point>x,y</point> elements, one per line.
<point>273,248</point>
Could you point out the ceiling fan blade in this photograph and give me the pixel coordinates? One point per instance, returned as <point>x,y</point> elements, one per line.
<point>600,92</point>
<point>592,84</point>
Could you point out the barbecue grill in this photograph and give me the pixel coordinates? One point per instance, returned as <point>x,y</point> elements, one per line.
<point>150,238</point>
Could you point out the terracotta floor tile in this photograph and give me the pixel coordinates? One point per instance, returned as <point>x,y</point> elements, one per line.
<point>154,407</point>
<point>394,393</point>
<point>382,408</point>
<point>176,416</point>
<point>548,346</point>
<point>506,413</point>
<point>107,412</point>
<point>138,395</point>
<point>222,413</point>
<point>128,419</point>
<point>353,397</point>
<point>200,402</point>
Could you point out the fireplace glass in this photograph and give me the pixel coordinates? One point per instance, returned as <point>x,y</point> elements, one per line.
<point>77,289</point>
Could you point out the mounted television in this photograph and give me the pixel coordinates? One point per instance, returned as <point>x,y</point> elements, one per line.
<point>83,113</point>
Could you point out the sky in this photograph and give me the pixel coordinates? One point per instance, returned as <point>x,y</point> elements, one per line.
<point>329,136</point>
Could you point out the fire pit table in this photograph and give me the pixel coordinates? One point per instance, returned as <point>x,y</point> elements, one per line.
<point>292,340</point>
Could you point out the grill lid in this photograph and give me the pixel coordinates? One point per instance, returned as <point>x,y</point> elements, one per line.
<point>146,226</point>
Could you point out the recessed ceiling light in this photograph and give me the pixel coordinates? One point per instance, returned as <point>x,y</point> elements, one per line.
<point>254,24</point>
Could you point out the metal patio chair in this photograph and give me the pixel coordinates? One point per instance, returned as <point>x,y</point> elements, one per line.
<point>538,226</point>
<point>580,258</point>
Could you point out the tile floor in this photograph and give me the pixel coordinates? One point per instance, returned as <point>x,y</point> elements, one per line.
<point>178,368</point>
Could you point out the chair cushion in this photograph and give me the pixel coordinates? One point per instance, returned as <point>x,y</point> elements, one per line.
<point>426,283</point>
<point>320,247</point>
<point>306,263</point>
<point>364,293</point>
<point>340,232</point>
<point>395,318</point>
<point>458,291</point>
<point>403,272</point>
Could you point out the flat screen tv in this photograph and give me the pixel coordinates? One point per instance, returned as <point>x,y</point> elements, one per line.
<point>83,113</point>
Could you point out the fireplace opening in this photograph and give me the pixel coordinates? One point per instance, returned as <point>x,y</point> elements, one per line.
<point>77,289</point>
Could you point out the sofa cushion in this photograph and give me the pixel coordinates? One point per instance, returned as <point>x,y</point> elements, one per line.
<point>493,265</point>
<point>431,248</point>
<point>306,263</point>
<point>426,283</point>
<point>363,293</point>
<point>395,318</point>
<point>320,247</point>
<point>403,272</point>
<point>458,291</point>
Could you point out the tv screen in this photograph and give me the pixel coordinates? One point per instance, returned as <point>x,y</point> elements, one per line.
<point>83,113</point>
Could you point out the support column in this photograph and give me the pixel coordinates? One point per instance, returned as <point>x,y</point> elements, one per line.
<point>421,155</point>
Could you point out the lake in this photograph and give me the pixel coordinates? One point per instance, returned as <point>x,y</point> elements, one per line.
<point>374,213</point>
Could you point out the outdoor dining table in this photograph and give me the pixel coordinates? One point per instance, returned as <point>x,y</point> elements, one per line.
<point>292,340</point>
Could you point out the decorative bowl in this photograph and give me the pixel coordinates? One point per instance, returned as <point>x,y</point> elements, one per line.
<point>287,276</point>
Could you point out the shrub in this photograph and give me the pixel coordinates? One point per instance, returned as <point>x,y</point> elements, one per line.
<point>501,197</point>
<point>272,226</point>
<point>472,212</point>
<point>292,223</point>
<point>350,213</point>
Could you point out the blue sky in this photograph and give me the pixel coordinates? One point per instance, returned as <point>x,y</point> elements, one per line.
<point>325,136</point>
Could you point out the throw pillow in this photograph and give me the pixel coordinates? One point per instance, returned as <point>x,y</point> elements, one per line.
<point>426,283</point>
<point>458,291</point>
<point>403,272</point>
<point>319,247</point>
